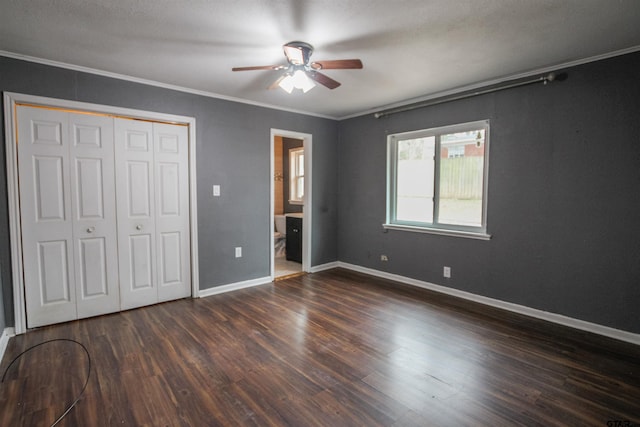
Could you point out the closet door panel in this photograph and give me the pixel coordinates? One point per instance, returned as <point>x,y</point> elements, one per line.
<point>52,265</point>
<point>170,259</point>
<point>135,212</point>
<point>92,267</point>
<point>138,186</point>
<point>46,220</point>
<point>171,145</point>
<point>94,222</point>
<point>141,262</point>
<point>48,188</point>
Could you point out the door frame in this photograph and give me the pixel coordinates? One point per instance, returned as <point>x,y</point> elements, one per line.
<point>11,101</point>
<point>307,144</point>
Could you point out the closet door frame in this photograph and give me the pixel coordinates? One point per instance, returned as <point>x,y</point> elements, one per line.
<point>11,101</point>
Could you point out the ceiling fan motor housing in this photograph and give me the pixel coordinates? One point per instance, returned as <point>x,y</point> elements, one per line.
<point>302,56</point>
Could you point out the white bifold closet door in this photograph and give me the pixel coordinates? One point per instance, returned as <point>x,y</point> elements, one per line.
<point>153,216</point>
<point>67,198</point>
<point>104,211</point>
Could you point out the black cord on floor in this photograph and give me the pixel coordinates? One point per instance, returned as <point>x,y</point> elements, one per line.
<point>85,383</point>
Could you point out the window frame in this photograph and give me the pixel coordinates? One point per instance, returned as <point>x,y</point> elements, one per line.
<point>294,154</point>
<point>435,227</point>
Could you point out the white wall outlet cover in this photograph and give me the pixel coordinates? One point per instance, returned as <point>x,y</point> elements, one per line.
<point>238,252</point>
<point>446,272</point>
<point>216,190</point>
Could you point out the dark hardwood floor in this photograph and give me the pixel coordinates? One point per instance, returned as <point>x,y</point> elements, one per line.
<point>335,348</point>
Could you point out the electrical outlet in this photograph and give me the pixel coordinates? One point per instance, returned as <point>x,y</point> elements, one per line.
<point>384,258</point>
<point>216,190</point>
<point>446,272</point>
<point>238,252</point>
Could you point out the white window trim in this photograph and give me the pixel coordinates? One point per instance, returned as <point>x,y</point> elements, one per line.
<point>440,229</point>
<point>293,154</point>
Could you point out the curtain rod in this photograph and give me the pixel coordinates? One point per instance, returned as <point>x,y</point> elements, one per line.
<point>501,86</point>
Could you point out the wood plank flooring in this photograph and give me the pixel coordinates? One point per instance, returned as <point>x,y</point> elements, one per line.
<point>335,348</point>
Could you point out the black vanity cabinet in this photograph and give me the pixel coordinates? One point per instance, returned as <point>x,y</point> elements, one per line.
<point>294,239</point>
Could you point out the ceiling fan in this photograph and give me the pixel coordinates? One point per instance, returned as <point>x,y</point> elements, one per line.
<point>300,73</point>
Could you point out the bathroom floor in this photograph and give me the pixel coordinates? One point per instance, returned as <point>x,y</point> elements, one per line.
<point>285,268</point>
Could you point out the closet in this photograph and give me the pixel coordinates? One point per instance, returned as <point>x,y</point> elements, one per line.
<point>104,211</point>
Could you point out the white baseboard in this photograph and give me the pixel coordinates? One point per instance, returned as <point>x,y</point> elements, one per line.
<point>323,267</point>
<point>256,282</point>
<point>233,287</point>
<point>4,340</point>
<point>516,308</point>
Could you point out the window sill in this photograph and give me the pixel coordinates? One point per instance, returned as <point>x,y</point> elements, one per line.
<point>296,202</point>
<point>439,231</point>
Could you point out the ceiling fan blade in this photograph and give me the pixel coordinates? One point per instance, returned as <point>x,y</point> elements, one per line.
<point>337,64</point>
<point>259,67</point>
<point>294,55</point>
<point>323,79</point>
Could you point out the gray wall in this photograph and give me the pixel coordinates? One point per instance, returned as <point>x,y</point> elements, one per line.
<point>563,198</point>
<point>233,141</point>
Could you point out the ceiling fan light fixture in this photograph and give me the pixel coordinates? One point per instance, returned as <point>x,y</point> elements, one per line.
<point>302,81</point>
<point>298,80</point>
<point>287,83</point>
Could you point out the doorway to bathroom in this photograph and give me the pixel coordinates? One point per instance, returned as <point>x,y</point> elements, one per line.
<point>290,203</point>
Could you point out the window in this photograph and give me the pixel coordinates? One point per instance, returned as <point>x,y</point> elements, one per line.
<point>296,175</point>
<point>437,180</point>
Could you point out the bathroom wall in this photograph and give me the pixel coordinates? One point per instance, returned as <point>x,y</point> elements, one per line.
<point>278,179</point>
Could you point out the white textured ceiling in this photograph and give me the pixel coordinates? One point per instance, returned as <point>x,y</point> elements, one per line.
<point>410,48</point>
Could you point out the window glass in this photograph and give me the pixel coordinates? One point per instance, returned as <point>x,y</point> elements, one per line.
<point>296,175</point>
<point>461,178</point>
<point>437,178</point>
<point>414,180</point>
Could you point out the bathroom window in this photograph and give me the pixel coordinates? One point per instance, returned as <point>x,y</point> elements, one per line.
<point>296,175</point>
<point>437,180</point>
